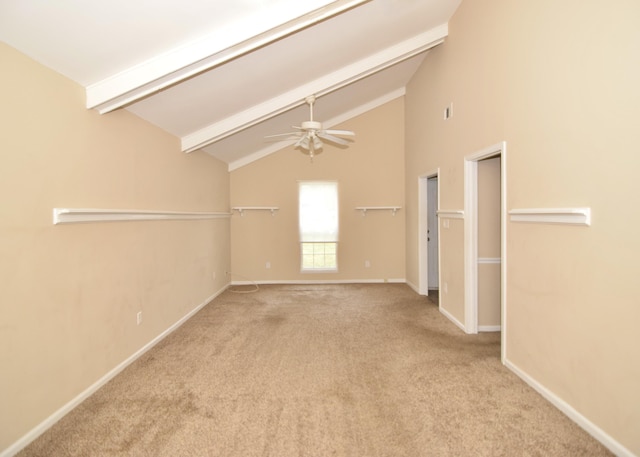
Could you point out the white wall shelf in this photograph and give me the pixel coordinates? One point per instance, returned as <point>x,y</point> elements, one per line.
<point>242,209</point>
<point>571,216</point>
<point>364,209</point>
<point>450,214</point>
<point>79,215</point>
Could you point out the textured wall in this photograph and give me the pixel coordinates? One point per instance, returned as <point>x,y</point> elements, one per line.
<point>71,293</point>
<point>369,173</point>
<point>558,81</point>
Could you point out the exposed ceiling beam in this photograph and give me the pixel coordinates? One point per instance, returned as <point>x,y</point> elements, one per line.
<point>181,63</point>
<point>321,86</point>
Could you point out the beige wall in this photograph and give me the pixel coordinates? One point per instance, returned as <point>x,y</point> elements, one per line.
<point>70,293</point>
<point>369,173</point>
<point>558,81</point>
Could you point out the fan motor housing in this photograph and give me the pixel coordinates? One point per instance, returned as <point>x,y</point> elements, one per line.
<point>311,125</point>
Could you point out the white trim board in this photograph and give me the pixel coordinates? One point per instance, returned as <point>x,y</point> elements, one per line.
<point>489,328</point>
<point>450,214</point>
<point>489,260</point>
<point>588,426</point>
<point>78,215</point>
<point>450,316</point>
<point>570,216</point>
<point>318,282</point>
<point>65,409</point>
<point>413,287</point>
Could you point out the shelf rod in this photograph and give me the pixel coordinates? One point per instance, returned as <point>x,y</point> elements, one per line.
<point>364,209</point>
<point>242,209</point>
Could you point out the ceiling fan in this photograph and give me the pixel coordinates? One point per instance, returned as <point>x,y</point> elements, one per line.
<point>310,134</point>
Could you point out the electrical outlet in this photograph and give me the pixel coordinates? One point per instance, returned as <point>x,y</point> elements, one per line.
<point>267,265</point>
<point>214,275</point>
<point>445,286</point>
<point>367,264</point>
<point>448,112</point>
<point>139,318</point>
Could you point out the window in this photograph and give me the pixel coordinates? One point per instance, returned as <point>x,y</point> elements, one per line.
<point>318,225</point>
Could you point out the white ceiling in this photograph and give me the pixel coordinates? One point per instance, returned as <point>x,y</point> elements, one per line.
<point>222,74</point>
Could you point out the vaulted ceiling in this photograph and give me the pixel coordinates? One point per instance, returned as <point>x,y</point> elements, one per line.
<point>222,74</point>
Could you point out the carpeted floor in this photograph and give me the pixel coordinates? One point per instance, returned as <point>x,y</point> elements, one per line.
<point>331,370</point>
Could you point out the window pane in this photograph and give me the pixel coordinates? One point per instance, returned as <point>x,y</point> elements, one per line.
<point>319,256</point>
<point>307,261</point>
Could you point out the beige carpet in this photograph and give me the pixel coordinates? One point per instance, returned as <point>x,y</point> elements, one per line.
<point>336,370</point>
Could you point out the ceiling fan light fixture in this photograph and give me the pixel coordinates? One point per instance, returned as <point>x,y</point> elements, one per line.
<point>310,134</point>
<point>317,144</point>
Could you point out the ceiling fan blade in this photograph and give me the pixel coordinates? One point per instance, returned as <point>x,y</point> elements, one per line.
<point>340,132</point>
<point>310,134</point>
<point>333,139</point>
<point>284,136</point>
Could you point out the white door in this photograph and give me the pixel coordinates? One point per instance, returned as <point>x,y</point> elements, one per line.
<point>432,231</point>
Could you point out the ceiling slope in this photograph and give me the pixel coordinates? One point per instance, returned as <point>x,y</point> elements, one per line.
<point>211,51</point>
<point>321,86</point>
<point>222,75</point>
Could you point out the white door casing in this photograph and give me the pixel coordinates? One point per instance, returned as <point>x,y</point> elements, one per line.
<point>471,239</point>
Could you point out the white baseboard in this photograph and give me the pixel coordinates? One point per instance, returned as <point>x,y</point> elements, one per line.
<point>618,449</point>
<point>489,328</point>
<point>319,281</point>
<point>60,413</point>
<point>452,319</point>
<point>414,287</point>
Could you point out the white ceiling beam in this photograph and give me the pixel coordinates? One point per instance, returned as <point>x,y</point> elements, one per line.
<point>321,86</point>
<point>181,63</point>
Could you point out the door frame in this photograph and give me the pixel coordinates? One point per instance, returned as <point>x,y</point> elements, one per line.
<point>471,238</point>
<point>423,250</point>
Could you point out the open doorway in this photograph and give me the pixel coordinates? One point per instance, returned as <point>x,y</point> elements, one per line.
<point>429,245</point>
<point>492,258</point>
<point>489,260</point>
<point>432,235</point>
